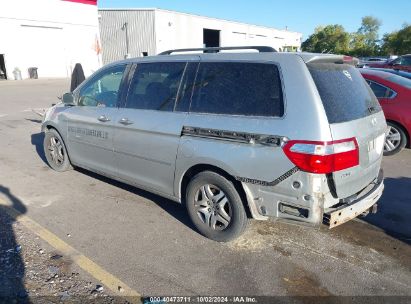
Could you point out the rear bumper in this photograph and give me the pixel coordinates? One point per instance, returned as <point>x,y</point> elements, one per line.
<point>345,213</point>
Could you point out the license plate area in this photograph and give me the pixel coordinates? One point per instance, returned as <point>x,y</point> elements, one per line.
<point>375,148</point>
<point>344,214</point>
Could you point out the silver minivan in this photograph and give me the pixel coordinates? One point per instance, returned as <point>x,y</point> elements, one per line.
<point>231,135</point>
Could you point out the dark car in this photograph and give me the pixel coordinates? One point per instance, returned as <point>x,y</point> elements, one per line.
<point>366,61</point>
<point>394,94</point>
<point>402,63</point>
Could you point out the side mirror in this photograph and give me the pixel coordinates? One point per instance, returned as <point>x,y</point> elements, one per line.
<point>68,99</point>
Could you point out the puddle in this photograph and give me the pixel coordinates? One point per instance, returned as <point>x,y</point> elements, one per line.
<point>303,283</point>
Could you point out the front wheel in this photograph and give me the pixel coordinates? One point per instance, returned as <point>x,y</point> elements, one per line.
<point>395,139</point>
<point>55,151</point>
<point>215,207</point>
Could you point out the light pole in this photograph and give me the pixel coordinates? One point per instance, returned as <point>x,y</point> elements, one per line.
<point>125,28</point>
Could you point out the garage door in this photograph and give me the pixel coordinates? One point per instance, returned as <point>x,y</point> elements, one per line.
<point>43,47</point>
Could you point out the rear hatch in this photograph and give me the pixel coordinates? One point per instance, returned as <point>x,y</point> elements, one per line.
<point>353,111</point>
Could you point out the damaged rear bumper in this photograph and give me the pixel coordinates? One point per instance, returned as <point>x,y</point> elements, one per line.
<point>364,204</point>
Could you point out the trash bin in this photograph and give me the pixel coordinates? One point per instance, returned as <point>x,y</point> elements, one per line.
<point>33,73</point>
<point>2,74</point>
<point>17,74</point>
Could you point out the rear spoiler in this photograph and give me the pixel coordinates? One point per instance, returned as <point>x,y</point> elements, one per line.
<point>339,59</point>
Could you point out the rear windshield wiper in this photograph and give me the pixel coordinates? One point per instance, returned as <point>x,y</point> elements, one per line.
<point>372,109</point>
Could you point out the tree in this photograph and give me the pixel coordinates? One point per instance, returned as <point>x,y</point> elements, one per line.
<point>362,43</point>
<point>398,42</point>
<point>328,39</point>
<point>365,41</point>
<point>369,28</point>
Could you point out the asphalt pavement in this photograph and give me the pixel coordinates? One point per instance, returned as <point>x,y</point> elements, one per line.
<point>149,243</point>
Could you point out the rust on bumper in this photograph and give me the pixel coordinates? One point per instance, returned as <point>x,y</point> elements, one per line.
<point>366,203</point>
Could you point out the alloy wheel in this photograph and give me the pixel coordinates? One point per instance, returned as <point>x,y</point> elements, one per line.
<point>392,140</point>
<point>56,151</point>
<point>213,207</point>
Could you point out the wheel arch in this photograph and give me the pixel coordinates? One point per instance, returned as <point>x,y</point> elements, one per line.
<point>49,126</point>
<point>195,169</point>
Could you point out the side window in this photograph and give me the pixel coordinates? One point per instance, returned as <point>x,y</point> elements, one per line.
<point>406,61</point>
<point>397,61</point>
<point>155,86</point>
<point>234,88</point>
<point>390,93</point>
<point>186,88</point>
<point>379,90</point>
<point>103,89</point>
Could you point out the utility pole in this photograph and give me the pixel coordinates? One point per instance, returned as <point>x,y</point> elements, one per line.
<point>125,28</point>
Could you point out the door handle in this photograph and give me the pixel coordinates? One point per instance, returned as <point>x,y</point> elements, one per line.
<point>103,118</point>
<point>125,121</point>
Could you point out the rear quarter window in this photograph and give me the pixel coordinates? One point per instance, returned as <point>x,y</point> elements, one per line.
<point>238,88</point>
<point>343,91</point>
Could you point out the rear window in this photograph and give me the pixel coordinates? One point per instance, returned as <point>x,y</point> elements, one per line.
<point>234,88</point>
<point>344,92</point>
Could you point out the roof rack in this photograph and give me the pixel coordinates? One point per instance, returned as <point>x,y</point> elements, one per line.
<point>261,49</point>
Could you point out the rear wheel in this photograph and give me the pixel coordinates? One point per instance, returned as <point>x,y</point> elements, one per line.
<point>395,140</point>
<point>215,207</point>
<point>55,151</point>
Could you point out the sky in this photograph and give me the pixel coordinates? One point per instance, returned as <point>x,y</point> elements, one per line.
<point>298,15</point>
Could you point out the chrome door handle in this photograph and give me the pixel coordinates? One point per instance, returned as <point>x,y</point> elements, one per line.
<point>125,121</point>
<point>103,118</point>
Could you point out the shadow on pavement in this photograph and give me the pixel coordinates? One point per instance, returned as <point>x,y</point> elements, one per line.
<point>11,263</point>
<point>37,141</point>
<point>174,209</point>
<point>38,121</point>
<point>389,231</point>
<point>394,209</point>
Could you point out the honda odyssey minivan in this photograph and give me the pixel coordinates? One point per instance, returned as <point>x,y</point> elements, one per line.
<point>230,135</point>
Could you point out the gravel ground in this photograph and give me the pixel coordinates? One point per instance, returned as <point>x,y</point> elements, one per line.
<point>32,272</point>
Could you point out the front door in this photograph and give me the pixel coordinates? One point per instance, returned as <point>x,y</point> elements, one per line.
<point>90,122</point>
<point>148,127</point>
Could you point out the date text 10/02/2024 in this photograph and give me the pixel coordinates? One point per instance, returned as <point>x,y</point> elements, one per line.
<point>198,299</point>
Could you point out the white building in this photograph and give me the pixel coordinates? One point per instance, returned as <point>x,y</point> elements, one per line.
<point>140,32</point>
<point>51,35</point>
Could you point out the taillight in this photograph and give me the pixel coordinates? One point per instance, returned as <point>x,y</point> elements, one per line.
<point>351,60</point>
<point>323,157</point>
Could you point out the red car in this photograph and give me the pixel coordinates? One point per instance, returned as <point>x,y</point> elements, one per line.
<point>402,63</point>
<point>394,94</point>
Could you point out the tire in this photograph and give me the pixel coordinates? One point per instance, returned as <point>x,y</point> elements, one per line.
<point>215,207</point>
<point>55,151</point>
<point>396,139</point>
